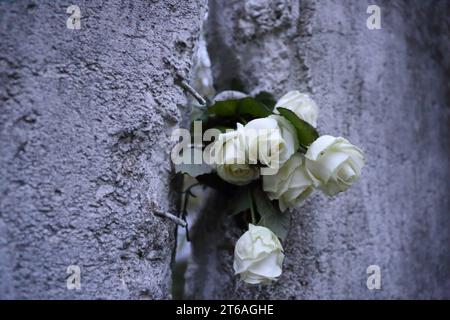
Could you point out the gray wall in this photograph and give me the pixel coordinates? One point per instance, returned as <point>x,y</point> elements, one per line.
<point>385,90</point>
<point>85,121</point>
<point>86,117</point>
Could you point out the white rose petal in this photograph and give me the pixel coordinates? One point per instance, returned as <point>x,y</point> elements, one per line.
<point>271,140</point>
<point>290,138</point>
<point>258,256</point>
<point>301,104</point>
<point>334,163</point>
<point>238,174</point>
<point>229,154</point>
<point>291,185</point>
<point>263,134</point>
<point>229,95</point>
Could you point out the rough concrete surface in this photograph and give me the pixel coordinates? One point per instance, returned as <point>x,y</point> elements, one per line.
<point>85,121</point>
<point>386,91</point>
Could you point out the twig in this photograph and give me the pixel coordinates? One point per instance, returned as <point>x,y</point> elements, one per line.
<point>172,217</point>
<point>167,215</point>
<point>193,92</point>
<point>252,209</point>
<point>184,212</point>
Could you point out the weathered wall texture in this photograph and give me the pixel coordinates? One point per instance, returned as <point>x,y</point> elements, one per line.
<point>85,121</point>
<point>385,90</point>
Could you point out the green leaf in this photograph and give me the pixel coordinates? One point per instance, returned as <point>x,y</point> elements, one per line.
<point>237,107</point>
<point>306,133</point>
<point>267,99</point>
<point>271,216</point>
<point>211,121</point>
<point>240,202</point>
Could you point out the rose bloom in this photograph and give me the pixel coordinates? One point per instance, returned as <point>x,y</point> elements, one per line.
<point>258,256</point>
<point>291,185</point>
<point>271,141</point>
<point>301,104</point>
<point>334,163</point>
<point>229,154</point>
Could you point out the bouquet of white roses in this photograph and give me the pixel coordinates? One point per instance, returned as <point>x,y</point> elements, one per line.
<point>266,157</point>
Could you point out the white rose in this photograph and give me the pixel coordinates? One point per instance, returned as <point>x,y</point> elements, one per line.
<point>258,256</point>
<point>229,95</point>
<point>290,138</point>
<point>301,104</point>
<point>291,185</point>
<point>334,163</point>
<point>229,155</point>
<point>271,140</point>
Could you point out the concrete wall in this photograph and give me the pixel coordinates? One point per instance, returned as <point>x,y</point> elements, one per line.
<point>85,121</point>
<point>86,117</point>
<point>387,92</point>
